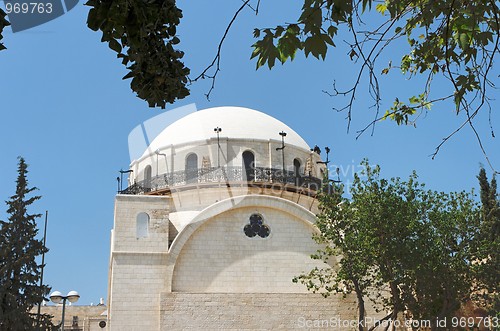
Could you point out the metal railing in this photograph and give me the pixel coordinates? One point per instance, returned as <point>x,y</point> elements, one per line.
<point>224,175</point>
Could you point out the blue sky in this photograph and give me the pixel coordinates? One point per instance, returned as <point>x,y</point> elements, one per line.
<point>66,110</point>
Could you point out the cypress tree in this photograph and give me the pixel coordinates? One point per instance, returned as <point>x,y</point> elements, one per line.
<point>19,249</point>
<point>489,243</point>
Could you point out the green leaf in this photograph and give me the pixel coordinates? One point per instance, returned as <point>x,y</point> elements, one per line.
<point>316,46</point>
<point>367,3</point>
<point>279,30</point>
<point>287,47</point>
<point>464,40</point>
<point>115,45</point>
<point>381,8</point>
<point>332,30</point>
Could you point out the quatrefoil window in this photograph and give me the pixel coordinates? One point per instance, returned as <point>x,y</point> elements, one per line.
<point>256,227</point>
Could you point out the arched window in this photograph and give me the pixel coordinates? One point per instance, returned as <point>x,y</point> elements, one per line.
<point>248,165</point>
<point>296,167</point>
<point>147,178</point>
<point>142,225</point>
<point>191,168</point>
<point>296,171</point>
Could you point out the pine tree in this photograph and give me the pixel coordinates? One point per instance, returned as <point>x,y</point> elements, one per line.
<point>489,243</point>
<point>490,206</point>
<point>19,249</point>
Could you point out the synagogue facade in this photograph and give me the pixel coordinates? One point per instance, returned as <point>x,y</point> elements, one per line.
<point>216,221</point>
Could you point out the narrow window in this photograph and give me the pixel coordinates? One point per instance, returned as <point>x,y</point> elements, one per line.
<point>296,171</point>
<point>248,165</point>
<point>191,168</point>
<point>147,178</point>
<point>142,225</point>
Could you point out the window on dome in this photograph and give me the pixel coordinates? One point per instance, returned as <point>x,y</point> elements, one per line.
<point>147,178</point>
<point>191,168</point>
<point>142,225</point>
<point>256,227</point>
<point>296,167</point>
<point>248,165</point>
<point>296,171</point>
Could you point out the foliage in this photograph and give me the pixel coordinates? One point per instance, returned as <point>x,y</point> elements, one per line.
<point>19,248</point>
<point>488,246</point>
<point>143,34</point>
<point>454,38</point>
<point>406,249</point>
<point>3,24</point>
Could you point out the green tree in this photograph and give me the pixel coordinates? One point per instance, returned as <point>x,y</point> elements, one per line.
<point>19,249</point>
<point>405,249</point>
<point>488,246</point>
<point>143,34</point>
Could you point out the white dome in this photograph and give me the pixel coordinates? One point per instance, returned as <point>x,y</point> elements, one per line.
<point>235,122</point>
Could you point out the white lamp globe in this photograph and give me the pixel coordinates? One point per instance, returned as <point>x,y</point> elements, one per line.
<point>56,297</point>
<point>73,296</point>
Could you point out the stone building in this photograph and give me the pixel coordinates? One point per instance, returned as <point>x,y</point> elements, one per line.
<point>217,220</point>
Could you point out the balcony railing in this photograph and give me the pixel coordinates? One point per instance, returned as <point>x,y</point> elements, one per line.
<point>225,175</point>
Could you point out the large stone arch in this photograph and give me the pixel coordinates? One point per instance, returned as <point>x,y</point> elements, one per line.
<point>299,222</point>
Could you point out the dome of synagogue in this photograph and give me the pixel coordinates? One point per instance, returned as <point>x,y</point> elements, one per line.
<point>235,122</point>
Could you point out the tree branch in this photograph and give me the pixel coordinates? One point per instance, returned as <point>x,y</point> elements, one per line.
<point>216,60</point>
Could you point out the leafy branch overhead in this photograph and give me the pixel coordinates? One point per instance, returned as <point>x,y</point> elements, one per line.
<point>143,34</point>
<point>455,38</point>
<point>450,43</point>
<point>452,39</point>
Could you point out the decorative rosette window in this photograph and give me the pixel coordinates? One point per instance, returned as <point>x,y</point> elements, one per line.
<point>256,227</point>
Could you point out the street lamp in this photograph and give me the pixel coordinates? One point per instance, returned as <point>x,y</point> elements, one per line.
<point>57,297</point>
<point>282,148</point>
<point>218,131</point>
<point>121,176</point>
<point>327,149</point>
<point>157,152</point>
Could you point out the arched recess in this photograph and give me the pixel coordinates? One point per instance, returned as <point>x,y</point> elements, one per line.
<point>248,164</point>
<point>142,225</point>
<point>147,178</point>
<point>296,211</point>
<point>296,171</point>
<point>191,168</point>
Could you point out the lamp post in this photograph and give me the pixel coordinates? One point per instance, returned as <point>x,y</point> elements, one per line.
<point>282,148</point>
<point>327,149</point>
<point>157,152</point>
<point>57,297</point>
<point>218,131</point>
<point>121,177</point>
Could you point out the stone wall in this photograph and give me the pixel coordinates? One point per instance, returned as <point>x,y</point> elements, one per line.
<point>219,257</point>
<point>257,311</point>
<point>137,265</point>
